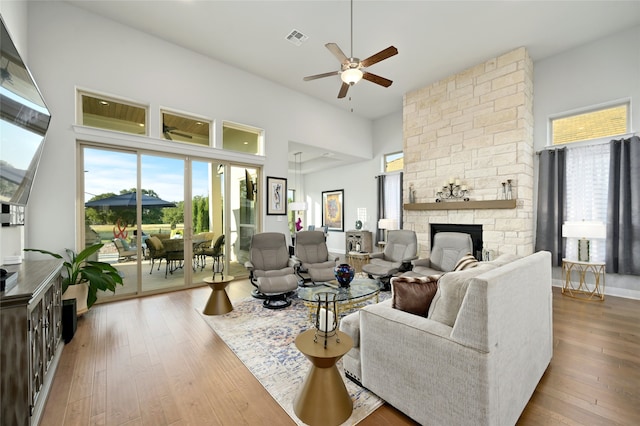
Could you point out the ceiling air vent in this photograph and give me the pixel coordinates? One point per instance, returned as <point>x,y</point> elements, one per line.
<point>296,37</point>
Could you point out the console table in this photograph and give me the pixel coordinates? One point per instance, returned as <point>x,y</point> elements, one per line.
<point>581,290</point>
<point>358,241</point>
<point>31,329</point>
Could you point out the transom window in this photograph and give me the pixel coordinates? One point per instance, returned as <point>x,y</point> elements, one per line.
<point>111,114</point>
<point>394,162</point>
<point>594,124</point>
<point>240,138</point>
<point>182,128</point>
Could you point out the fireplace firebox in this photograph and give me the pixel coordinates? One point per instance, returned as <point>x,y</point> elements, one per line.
<point>474,230</point>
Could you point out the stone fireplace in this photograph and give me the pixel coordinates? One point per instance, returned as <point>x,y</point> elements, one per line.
<point>475,126</point>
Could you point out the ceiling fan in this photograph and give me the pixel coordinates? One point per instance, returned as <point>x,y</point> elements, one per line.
<point>168,131</point>
<point>351,68</point>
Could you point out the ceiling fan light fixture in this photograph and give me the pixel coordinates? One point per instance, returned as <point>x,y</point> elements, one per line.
<point>351,76</point>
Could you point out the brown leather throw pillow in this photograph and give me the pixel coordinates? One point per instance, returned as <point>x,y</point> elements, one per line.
<point>414,295</point>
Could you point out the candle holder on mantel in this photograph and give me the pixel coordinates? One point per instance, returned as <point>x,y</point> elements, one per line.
<point>452,190</point>
<point>326,317</point>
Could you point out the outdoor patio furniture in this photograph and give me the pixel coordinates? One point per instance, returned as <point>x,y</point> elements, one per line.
<point>125,251</point>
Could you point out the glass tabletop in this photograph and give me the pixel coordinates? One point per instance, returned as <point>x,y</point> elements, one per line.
<point>360,287</point>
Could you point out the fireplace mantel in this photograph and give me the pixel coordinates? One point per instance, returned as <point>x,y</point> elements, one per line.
<point>463,205</point>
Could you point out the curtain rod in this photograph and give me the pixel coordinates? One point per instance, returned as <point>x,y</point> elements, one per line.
<point>586,143</point>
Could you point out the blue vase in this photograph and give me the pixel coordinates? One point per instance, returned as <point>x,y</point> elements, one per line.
<point>344,274</point>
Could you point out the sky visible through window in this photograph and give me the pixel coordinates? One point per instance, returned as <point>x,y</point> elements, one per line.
<point>111,171</point>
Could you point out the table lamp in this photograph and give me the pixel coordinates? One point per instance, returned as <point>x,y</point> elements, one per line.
<point>583,231</point>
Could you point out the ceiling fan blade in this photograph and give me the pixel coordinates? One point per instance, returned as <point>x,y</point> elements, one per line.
<point>326,74</point>
<point>381,55</point>
<point>167,135</point>
<point>343,90</point>
<point>337,52</point>
<point>376,79</point>
<point>184,135</point>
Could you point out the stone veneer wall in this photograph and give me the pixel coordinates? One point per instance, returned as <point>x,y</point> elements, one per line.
<point>477,126</point>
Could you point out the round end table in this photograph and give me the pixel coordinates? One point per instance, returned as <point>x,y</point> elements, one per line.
<point>323,398</point>
<point>219,302</point>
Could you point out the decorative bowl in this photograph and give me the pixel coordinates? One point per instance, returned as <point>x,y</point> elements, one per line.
<point>344,274</point>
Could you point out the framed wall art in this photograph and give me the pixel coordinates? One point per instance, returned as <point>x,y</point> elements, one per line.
<point>276,196</point>
<point>333,210</point>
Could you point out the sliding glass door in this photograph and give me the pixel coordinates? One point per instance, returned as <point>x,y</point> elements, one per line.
<point>176,232</point>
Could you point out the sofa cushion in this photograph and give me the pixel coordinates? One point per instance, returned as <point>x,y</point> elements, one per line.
<point>465,262</point>
<point>452,288</point>
<point>413,294</point>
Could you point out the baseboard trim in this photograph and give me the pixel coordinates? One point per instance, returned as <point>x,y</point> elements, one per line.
<point>608,291</point>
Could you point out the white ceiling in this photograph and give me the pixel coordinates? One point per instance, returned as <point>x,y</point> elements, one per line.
<point>434,38</point>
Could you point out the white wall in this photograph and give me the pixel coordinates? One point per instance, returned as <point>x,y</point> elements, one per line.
<point>70,48</point>
<point>357,180</point>
<point>599,72</point>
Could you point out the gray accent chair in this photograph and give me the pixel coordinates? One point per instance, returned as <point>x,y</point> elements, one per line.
<point>447,249</point>
<point>271,269</point>
<point>311,253</point>
<point>401,248</point>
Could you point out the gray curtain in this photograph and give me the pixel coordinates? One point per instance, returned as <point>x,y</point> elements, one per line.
<point>623,215</point>
<point>551,189</point>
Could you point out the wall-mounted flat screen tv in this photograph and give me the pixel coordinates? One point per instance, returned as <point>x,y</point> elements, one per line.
<point>24,119</point>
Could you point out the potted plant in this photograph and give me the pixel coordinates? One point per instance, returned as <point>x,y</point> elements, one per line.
<point>85,277</point>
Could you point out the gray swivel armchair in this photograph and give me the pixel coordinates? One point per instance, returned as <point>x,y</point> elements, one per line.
<point>271,269</point>
<point>312,255</point>
<point>401,248</point>
<point>447,249</point>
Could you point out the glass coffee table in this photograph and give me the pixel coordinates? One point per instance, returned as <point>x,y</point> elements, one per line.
<point>359,292</point>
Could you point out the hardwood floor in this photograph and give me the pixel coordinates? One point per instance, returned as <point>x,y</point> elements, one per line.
<point>154,361</point>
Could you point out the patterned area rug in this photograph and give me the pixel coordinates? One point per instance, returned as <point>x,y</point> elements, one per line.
<point>264,339</point>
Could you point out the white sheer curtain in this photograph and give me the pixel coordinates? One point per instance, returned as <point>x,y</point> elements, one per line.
<point>393,197</point>
<point>587,175</point>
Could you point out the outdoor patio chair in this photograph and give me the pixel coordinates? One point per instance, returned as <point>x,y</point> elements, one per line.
<point>271,269</point>
<point>125,251</point>
<point>156,251</point>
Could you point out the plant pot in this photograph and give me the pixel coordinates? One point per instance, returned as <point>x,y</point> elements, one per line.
<point>80,293</point>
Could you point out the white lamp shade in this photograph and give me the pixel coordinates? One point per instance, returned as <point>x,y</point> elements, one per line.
<point>584,229</point>
<point>298,206</point>
<point>351,75</point>
<point>389,224</point>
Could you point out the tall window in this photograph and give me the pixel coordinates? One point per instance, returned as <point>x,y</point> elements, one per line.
<point>587,180</point>
<point>587,165</point>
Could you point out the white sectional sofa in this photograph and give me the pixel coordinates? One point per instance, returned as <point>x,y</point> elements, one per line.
<point>482,368</point>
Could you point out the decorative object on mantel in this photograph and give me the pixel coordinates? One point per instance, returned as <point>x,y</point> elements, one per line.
<point>452,190</point>
<point>507,190</point>
<point>412,194</point>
